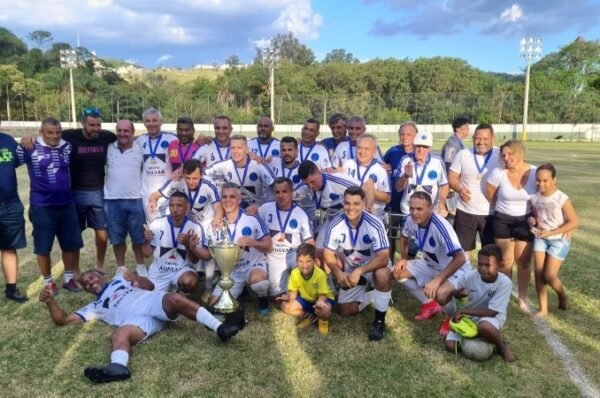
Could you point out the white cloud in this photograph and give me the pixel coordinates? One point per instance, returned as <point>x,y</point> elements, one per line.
<point>163,58</point>
<point>260,43</point>
<point>512,14</point>
<point>299,18</point>
<point>99,3</point>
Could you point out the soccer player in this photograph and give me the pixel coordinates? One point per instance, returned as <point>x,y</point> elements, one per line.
<point>347,149</point>
<point>439,264</point>
<point>489,294</point>
<point>265,145</point>
<point>52,208</point>
<point>175,241</point>
<point>184,147</point>
<point>156,170</point>
<point>289,227</point>
<point>129,303</point>
<point>310,149</point>
<point>337,125</point>
<point>309,296</point>
<point>251,233</point>
<point>254,179</point>
<point>219,149</point>
<point>454,145</point>
<point>356,250</point>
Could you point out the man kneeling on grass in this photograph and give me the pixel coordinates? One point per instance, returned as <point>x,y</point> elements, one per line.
<point>489,293</point>
<point>309,296</point>
<point>129,303</point>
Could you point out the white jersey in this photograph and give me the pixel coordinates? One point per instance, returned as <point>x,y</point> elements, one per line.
<point>374,172</point>
<point>472,169</point>
<point>244,226</point>
<point>288,228</point>
<point>278,169</point>
<point>201,199</point>
<point>509,200</point>
<point>437,241</point>
<point>316,153</point>
<point>254,179</point>
<point>157,168</point>
<point>272,149</point>
<point>212,153</point>
<point>346,150</point>
<point>330,197</point>
<point>170,255</point>
<point>482,295</point>
<point>548,211</point>
<point>428,177</point>
<point>358,245</point>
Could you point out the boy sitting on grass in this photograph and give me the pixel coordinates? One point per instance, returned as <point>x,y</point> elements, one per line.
<point>309,296</point>
<point>489,294</point>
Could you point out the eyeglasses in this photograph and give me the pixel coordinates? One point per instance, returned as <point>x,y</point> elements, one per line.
<point>93,112</point>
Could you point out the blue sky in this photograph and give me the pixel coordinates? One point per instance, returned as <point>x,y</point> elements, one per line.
<point>183,33</point>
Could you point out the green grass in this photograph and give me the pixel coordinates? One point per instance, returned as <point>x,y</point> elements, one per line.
<point>187,75</point>
<point>271,359</point>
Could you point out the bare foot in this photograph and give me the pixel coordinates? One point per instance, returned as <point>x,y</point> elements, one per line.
<point>506,354</point>
<point>540,314</point>
<point>563,302</point>
<point>523,306</point>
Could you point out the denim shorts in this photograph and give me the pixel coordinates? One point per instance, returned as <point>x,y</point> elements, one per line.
<point>90,209</point>
<point>557,248</point>
<point>125,216</point>
<point>12,226</point>
<point>55,221</point>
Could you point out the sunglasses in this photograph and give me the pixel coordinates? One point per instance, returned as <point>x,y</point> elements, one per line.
<point>93,112</point>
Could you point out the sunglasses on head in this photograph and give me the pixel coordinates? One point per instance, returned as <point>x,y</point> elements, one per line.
<point>93,112</point>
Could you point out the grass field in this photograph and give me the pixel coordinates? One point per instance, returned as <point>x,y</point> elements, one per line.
<point>271,359</point>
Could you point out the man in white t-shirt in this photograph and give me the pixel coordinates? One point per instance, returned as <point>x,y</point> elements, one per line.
<point>176,242</point>
<point>264,145</point>
<point>309,149</point>
<point>217,149</point>
<point>467,178</point>
<point>356,250</point>
<point>370,175</point>
<point>289,227</point>
<point>439,264</point>
<point>346,150</point>
<point>156,169</point>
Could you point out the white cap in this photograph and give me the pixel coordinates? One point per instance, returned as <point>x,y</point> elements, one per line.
<point>423,138</point>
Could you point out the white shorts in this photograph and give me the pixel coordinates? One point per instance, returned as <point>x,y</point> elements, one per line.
<point>240,279</point>
<point>164,280</point>
<point>147,313</point>
<point>279,273</point>
<point>494,321</point>
<point>355,294</point>
<point>424,273</point>
<point>320,242</point>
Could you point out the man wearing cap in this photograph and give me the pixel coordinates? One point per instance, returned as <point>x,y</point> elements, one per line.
<point>422,171</point>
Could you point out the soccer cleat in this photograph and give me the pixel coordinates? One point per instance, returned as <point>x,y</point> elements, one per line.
<point>225,332</point>
<point>445,328</point>
<point>16,296</point>
<point>72,286</point>
<point>308,319</point>
<point>106,374</point>
<point>428,311</point>
<point>377,331</point>
<point>323,327</point>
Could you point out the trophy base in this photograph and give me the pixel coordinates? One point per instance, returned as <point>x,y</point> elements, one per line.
<point>235,318</point>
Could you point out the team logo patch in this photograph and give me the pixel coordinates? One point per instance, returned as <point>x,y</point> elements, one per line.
<point>202,199</point>
<point>296,179</point>
<point>164,144</point>
<point>367,239</point>
<point>432,175</point>
<point>334,196</point>
<point>275,152</point>
<point>253,176</point>
<point>431,241</point>
<point>293,223</point>
<point>373,177</point>
<point>246,231</point>
<point>314,157</point>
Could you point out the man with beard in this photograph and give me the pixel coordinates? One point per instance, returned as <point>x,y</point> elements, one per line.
<point>184,147</point>
<point>265,145</point>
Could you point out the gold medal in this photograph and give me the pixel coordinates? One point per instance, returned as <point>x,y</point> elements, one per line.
<point>419,188</point>
<point>479,176</point>
<point>420,255</point>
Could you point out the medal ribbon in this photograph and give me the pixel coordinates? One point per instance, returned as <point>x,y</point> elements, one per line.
<point>173,237</point>
<point>422,240</point>
<point>302,157</point>
<point>242,179</point>
<point>267,151</point>
<point>361,179</point>
<point>219,151</point>
<point>420,177</point>
<point>485,161</point>
<point>354,238</point>
<point>232,235</point>
<point>187,151</point>
<point>153,150</point>
<point>283,226</point>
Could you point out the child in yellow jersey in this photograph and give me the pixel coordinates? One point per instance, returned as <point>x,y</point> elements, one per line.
<point>309,296</point>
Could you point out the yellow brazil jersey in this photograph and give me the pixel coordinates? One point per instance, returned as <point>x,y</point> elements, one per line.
<point>310,289</point>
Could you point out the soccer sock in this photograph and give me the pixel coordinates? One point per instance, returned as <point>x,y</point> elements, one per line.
<point>415,290</point>
<point>206,318</point>
<point>141,269</point>
<point>10,288</point>
<point>367,302</point>
<point>450,308</point>
<point>381,300</point>
<point>68,276</point>
<point>47,280</point>
<point>119,356</point>
<point>260,288</point>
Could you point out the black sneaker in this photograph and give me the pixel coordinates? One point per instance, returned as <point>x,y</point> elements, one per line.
<point>16,296</point>
<point>225,332</point>
<point>377,331</point>
<point>106,374</point>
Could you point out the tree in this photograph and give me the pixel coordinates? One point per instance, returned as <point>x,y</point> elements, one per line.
<point>9,75</point>
<point>40,37</point>
<point>339,56</point>
<point>288,48</point>
<point>10,45</point>
<point>233,61</point>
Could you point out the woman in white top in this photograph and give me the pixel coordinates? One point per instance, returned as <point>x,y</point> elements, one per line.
<point>509,190</point>
<point>553,221</point>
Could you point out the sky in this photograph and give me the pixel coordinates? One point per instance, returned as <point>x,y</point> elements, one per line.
<point>183,33</point>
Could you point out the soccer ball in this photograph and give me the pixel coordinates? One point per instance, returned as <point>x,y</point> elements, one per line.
<point>476,349</point>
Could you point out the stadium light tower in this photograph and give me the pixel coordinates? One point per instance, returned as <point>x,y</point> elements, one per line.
<point>531,50</point>
<point>270,57</point>
<point>68,60</point>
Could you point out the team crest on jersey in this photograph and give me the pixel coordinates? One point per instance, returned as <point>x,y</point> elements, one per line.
<point>293,223</point>
<point>334,196</point>
<point>367,239</point>
<point>373,177</point>
<point>432,175</point>
<point>296,179</point>
<point>431,241</point>
<point>491,294</point>
<point>275,152</point>
<point>246,231</point>
<point>314,157</point>
<point>202,199</point>
<point>164,144</point>
<point>253,176</point>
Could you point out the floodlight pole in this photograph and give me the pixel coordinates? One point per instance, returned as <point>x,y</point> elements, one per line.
<point>68,60</point>
<point>530,49</point>
<point>73,114</point>
<point>270,58</point>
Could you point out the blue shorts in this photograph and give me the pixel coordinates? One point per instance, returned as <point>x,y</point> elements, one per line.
<point>90,209</point>
<point>125,216</point>
<point>12,226</point>
<point>307,306</point>
<point>557,248</point>
<point>55,221</point>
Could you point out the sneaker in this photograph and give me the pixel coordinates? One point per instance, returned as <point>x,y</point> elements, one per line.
<point>72,286</point>
<point>445,328</point>
<point>428,311</point>
<point>323,327</point>
<point>54,288</point>
<point>106,374</point>
<point>16,296</point>
<point>377,331</point>
<point>308,319</point>
<point>225,332</point>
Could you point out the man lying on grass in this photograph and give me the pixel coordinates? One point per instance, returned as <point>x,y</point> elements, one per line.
<point>129,303</point>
